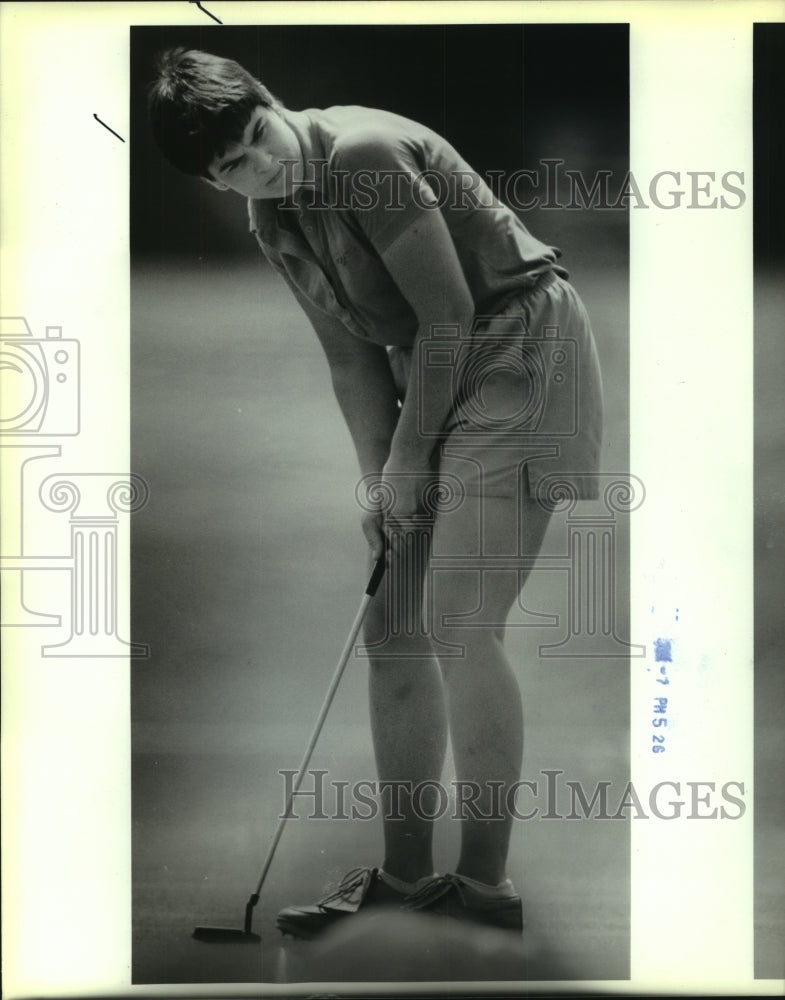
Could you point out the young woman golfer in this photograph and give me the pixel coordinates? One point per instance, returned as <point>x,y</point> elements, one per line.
<point>461,358</point>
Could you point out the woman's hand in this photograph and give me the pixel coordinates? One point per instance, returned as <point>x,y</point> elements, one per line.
<point>400,493</point>
<point>407,485</point>
<point>373,529</point>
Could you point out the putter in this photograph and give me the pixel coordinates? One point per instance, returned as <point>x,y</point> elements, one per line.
<point>245,934</point>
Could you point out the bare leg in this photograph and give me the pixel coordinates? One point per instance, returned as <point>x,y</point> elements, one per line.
<point>409,725</point>
<point>483,695</point>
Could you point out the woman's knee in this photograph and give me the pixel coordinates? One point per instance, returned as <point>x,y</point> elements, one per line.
<point>375,627</point>
<point>391,636</point>
<point>457,645</point>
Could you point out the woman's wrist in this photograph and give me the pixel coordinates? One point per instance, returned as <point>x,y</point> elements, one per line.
<point>405,458</point>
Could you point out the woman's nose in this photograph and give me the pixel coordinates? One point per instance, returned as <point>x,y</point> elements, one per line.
<point>264,158</point>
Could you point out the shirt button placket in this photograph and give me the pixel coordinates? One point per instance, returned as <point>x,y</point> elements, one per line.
<point>306,223</point>
<point>329,298</point>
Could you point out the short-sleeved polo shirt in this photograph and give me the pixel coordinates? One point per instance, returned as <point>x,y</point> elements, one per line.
<point>370,174</point>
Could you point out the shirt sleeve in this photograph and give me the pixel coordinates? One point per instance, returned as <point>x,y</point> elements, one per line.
<point>385,183</point>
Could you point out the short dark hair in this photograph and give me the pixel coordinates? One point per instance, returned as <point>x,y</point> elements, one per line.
<point>199,104</point>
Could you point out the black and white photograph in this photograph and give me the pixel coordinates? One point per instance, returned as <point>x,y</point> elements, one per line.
<point>392,499</point>
<point>398,295</point>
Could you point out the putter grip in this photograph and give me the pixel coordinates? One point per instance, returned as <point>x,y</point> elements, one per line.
<point>376,576</point>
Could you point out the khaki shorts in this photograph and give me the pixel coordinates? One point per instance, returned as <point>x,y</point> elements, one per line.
<point>528,395</point>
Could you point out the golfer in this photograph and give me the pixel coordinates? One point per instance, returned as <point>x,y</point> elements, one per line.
<point>465,368</point>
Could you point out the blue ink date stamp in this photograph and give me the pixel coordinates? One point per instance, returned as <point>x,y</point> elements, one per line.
<point>663,656</point>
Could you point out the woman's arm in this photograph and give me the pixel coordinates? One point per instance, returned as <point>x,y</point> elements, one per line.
<point>424,264</point>
<point>366,393</point>
<point>363,385</point>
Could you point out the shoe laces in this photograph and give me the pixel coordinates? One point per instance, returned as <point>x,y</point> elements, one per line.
<point>434,889</point>
<point>350,883</point>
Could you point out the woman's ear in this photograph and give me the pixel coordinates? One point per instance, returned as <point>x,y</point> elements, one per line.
<point>218,185</point>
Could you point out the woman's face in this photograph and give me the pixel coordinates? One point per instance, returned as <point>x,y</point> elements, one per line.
<point>266,163</point>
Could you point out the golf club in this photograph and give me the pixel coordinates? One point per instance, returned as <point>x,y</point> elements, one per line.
<point>245,934</point>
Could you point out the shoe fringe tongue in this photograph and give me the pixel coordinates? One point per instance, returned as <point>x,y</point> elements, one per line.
<point>350,893</point>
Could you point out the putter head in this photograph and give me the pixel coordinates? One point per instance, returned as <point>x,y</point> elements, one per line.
<point>225,935</point>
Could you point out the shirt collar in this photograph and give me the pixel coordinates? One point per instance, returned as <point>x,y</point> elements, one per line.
<point>263,212</point>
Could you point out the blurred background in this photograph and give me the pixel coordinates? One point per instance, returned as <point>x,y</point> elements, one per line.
<point>248,563</point>
<point>769,495</point>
